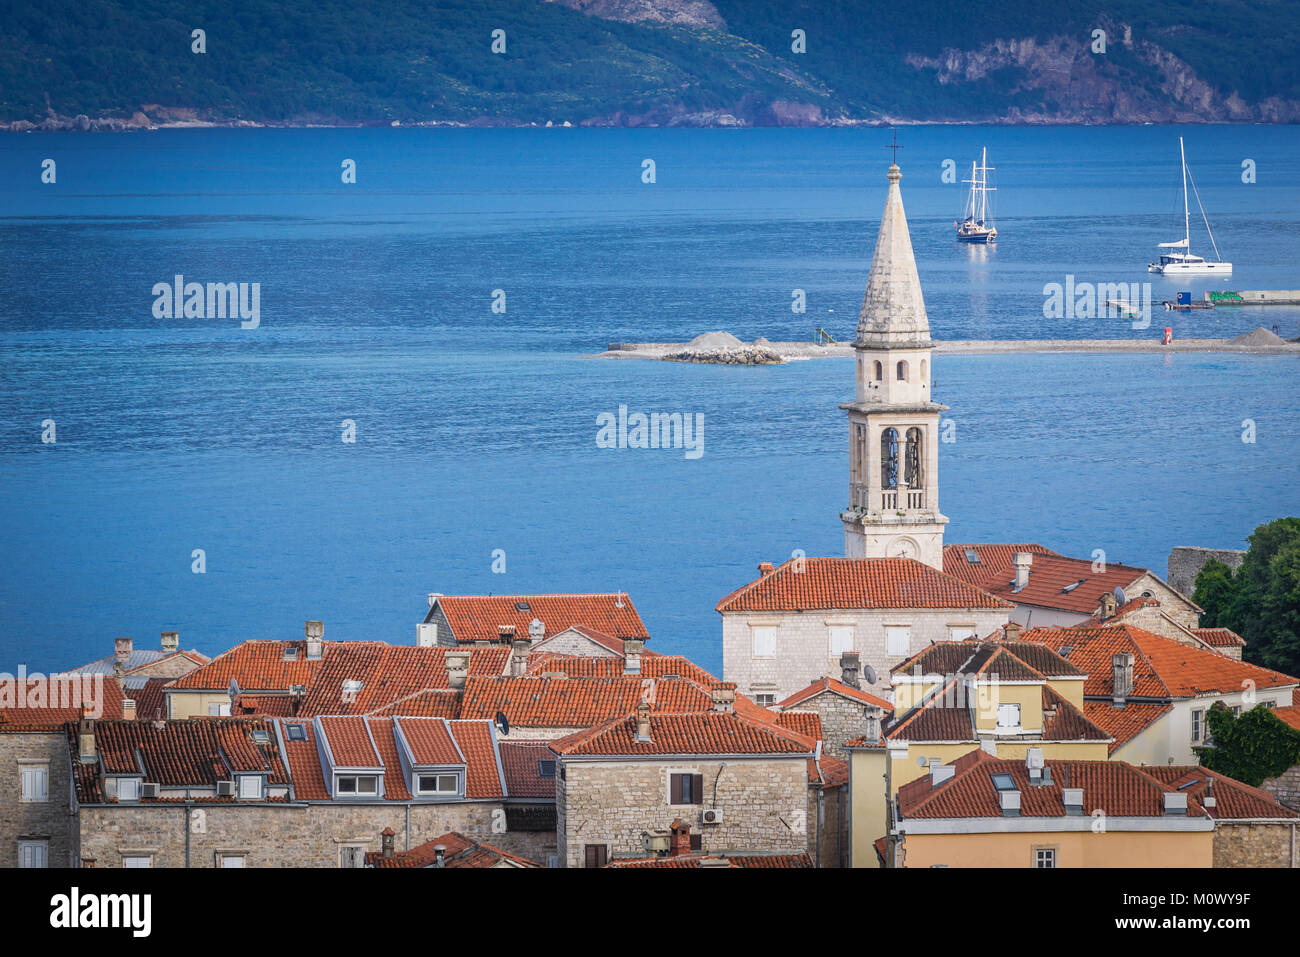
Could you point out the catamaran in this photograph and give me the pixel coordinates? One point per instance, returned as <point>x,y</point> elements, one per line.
<point>977,222</point>
<point>1179,260</point>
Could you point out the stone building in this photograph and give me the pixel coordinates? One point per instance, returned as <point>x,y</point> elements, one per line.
<point>742,783</point>
<point>446,850</point>
<point>841,706</point>
<point>468,619</point>
<point>1186,562</point>
<point>791,625</point>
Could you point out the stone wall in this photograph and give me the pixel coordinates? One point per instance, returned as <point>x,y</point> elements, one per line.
<point>842,720</point>
<point>1254,845</point>
<point>803,644</point>
<point>286,835</point>
<point>1186,562</point>
<point>49,820</point>
<point>1285,787</point>
<point>764,803</point>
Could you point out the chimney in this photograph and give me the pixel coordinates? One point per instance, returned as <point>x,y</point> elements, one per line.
<point>315,632</point>
<point>1209,799</point>
<point>386,842</point>
<point>440,855</point>
<point>433,597</point>
<point>128,709</point>
<point>457,669</point>
<point>86,741</point>
<point>121,650</point>
<point>1121,665</point>
<point>505,633</point>
<point>724,696</point>
<point>1109,605</point>
<point>765,569</point>
<point>1023,560</point>
<point>643,722</point>
<point>632,648</point>
<point>872,724</point>
<point>850,665</point>
<point>681,839</point>
<point>519,657</point>
<point>1011,632</point>
<point>119,675</point>
<point>171,642</point>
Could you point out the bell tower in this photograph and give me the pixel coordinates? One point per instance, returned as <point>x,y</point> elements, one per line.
<point>893,424</point>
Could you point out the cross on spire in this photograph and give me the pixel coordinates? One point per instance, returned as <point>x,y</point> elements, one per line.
<point>894,145</point>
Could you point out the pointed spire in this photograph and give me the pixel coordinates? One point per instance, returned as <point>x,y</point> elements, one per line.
<point>893,310</point>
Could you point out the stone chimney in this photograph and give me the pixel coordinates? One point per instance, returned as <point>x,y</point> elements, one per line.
<point>122,650</point>
<point>505,634</point>
<point>680,842</point>
<point>119,675</point>
<point>128,709</point>
<point>433,597</point>
<point>440,855</point>
<point>315,633</point>
<point>86,741</point>
<point>1121,665</point>
<point>850,668</point>
<point>457,669</point>
<point>632,648</point>
<point>519,657</point>
<point>765,569</point>
<point>171,642</point>
<point>1109,604</point>
<point>1023,560</point>
<point>871,723</point>
<point>643,722</point>
<point>724,696</point>
<point>386,842</point>
<point>1011,632</point>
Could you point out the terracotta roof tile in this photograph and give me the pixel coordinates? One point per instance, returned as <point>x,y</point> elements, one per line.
<point>1233,800</point>
<point>856,583</point>
<point>1126,723</point>
<point>1289,714</point>
<point>1219,637</point>
<point>829,684</point>
<point>430,742</point>
<point>701,860</point>
<point>458,851</point>
<point>710,732</point>
<point>51,702</point>
<point>521,761</point>
<point>575,702</point>
<point>350,742</point>
<point>1049,576</point>
<point>806,723</point>
<point>479,617</point>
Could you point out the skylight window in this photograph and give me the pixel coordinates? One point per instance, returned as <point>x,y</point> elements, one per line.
<point>291,653</point>
<point>260,736</point>
<point>972,556</point>
<point>1004,782</point>
<point>296,732</point>
<point>522,606</point>
<point>546,769</point>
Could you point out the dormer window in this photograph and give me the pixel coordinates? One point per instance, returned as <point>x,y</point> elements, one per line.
<point>250,787</point>
<point>128,789</point>
<point>437,784</point>
<point>357,785</point>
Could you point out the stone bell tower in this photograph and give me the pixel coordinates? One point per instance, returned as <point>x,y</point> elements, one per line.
<point>893,425</point>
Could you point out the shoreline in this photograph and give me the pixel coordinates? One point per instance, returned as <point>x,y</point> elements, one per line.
<point>797,351</point>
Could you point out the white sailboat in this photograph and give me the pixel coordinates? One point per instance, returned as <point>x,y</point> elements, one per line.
<point>977,223</point>
<point>1179,260</point>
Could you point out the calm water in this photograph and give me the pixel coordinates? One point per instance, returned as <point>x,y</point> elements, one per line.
<point>475,430</point>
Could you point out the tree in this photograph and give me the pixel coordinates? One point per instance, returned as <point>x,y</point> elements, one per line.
<point>1249,748</point>
<point>1261,601</point>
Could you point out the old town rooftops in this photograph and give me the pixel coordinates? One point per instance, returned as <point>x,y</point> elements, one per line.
<point>450,850</point>
<point>831,685</point>
<point>701,733</point>
<point>1163,669</point>
<point>1005,660</point>
<point>805,584</point>
<point>480,618</point>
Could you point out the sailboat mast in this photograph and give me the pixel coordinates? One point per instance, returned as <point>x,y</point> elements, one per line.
<point>1187,222</point>
<point>984,182</point>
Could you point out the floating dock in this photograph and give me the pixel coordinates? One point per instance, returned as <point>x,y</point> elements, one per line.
<point>1252,297</point>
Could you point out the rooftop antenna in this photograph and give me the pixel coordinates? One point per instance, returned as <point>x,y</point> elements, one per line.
<point>894,145</point>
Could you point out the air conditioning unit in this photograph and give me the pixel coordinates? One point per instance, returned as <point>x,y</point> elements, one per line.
<point>225,789</point>
<point>148,790</point>
<point>711,815</point>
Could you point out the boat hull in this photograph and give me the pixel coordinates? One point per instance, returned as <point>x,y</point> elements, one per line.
<point>1191,269</point>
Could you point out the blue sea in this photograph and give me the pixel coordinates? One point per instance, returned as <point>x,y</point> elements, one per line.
<point>475,429</point>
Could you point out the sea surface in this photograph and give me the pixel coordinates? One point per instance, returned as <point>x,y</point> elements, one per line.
<point>475,429</point>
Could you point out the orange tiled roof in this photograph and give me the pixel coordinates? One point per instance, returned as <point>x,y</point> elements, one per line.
<point>707,732</point>
<point>1289,714</point>
<point>430,742</point>
<point>946,714</point>
<point>479,617</point>
<point>829,684</point>
<point>856,583</point>
<point>1049,576</point>
<point>1162,667</point>
<point>806,723</point>
<point>521,762</point>
<point>47,704</point>
<point>699,859</point>
<point>458,851</point>
<point>1233,800</point>
<point>1114,787</point>
<point>652,666</point>
<point>1126,723</point>
<point>1219,637</point>
<point>575,702</point>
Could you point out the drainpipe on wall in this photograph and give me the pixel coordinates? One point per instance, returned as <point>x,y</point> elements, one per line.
<point>821,819</point>
<point>408,827</point>
<point>185,824</point>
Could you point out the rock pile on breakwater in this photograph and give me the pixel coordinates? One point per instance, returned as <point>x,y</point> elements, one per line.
<point>722,348</point>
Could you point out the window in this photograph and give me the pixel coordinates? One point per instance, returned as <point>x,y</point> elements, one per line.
<point>596,855</point>
<point>250,786</point>
<point>260,736</point>
<point>960,632</point>
<point>436,784</point>
<point>33,854</point>
<point>841,639</point>
<point>352,785</point>
<point>291,653</point>
<point>546,769</point>
<point>1044,857</point>
<point>1003,782</point>
<point>297,732</point>
<point>764,640</point>
<point>137,860</point>
<point>231,860</point>
<point>219,711</point>
<point>889,459</point>
<point>1198,725</point>
<point>128,789</point>
<point>352,855</point>
<point>880,371</point>
<point>765,700</point>
<point>1008,716</point>
<point>685,789</point>
<point>898,639</point>
<point>972,556</point>
<point>902,370</point>
<point>35,783</point>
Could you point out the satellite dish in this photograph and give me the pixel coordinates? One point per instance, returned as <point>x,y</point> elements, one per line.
<point>1119,595</point>
<point>502,722</point>
<point>869,673</point>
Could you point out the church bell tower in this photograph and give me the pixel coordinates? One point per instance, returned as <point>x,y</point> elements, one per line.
<point>893,424</point>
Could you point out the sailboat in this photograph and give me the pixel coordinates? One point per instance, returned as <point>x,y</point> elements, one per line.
<point>1179,260</point>
<point>977,223</point>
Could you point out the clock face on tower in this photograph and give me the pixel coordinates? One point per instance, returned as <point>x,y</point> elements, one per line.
<point>902,548</point>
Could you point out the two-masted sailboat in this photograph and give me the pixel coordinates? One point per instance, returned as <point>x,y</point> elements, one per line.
<point>976,225</point>
<point>1176,258</point>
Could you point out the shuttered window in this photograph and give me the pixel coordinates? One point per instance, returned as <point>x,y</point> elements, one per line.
<point>597,855</point>
<point>686,789</point>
